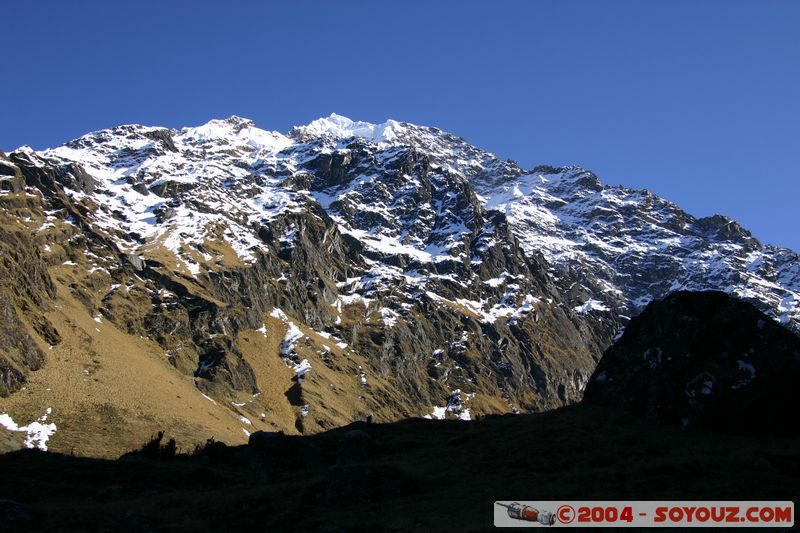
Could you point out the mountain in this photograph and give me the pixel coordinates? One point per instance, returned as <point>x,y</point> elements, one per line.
<point>221,279</point>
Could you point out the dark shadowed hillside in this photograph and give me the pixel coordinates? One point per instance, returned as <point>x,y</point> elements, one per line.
<point>415,475</point>
<point>703,359</point>
<point>444,475</point>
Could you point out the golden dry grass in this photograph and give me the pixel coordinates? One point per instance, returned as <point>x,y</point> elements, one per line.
<point>119,388</point>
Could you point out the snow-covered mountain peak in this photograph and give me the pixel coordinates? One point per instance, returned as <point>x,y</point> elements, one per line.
<point>341,127</point>
<point>237,131</point>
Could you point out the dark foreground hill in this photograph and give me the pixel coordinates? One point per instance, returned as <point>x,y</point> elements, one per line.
<point>414,475</point>
<point>703,359</point>
<point>444,475</point>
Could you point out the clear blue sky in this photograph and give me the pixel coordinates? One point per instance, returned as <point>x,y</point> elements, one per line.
<point>698,101</point>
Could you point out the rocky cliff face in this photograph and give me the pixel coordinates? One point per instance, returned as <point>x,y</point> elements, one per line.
<point>343,271</point>
<point>703,359</point>
<point>627,247</point>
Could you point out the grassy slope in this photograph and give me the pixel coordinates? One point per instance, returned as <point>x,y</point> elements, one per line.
<point>116,387</point>
<point>421,475</point>
<point>120,387</point>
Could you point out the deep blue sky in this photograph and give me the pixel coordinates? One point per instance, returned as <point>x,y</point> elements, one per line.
<point>698,101</point>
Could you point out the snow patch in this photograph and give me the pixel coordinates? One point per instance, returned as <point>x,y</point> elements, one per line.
<point>37,433</point>
<point>438,413</point>
<point>389,317</point>
<point>293,333</point>
<point>208,398</point>
<point>301,369</point>
<point>589,306</point>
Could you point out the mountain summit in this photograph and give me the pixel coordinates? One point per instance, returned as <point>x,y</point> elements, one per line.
<point>224,278</point>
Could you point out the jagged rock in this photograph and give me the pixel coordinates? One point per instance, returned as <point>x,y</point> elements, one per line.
<point>24,285</point>
<point>11,179</point>
<point>19,351</point>
<point>164,136</point>
<point>703,359</point>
